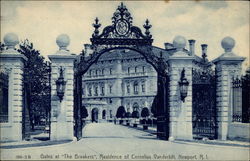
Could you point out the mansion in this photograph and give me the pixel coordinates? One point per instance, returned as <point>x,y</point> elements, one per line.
<point>118,78</point>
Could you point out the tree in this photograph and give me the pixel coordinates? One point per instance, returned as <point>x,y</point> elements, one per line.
<point>128,115</point>
<point>145,112</point>
<point>135,114</point>
<point>120,112</point>
<point>2,46</point>
<point>154,106</point>
<point>84,112</point>
<point>37,78</point>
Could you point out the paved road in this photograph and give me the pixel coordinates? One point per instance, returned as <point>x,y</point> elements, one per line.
<point>109,141</point>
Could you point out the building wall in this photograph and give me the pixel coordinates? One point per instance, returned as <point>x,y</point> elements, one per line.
<point>120,78</point>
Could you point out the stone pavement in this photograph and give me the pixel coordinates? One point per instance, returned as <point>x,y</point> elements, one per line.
<point>106,141</point>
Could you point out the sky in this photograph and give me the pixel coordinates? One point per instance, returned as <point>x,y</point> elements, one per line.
<point>207,22</point>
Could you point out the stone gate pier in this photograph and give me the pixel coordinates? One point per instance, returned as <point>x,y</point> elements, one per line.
<point>180,111</point>
<point>62,110</point>
<point>11,68</point>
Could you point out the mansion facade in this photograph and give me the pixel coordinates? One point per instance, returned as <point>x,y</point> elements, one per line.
<point>118,78</point>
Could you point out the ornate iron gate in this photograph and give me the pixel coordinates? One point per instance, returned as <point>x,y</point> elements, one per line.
<point>122,34</point>
<point>204,105</point>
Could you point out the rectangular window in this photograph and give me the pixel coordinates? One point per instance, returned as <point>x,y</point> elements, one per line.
<point>110,113</point>
<point>135,88</point>
<point>128,88</point>
<point>4,92</point>
<point>96,72</point>
<point>128,70</point>
<point>90,92</point>
<point>96,91</point>
<point>110,89</point>
<point>143,69</point>
<point>102,71</point>
<point>102,91</point>
<point>135,69</point>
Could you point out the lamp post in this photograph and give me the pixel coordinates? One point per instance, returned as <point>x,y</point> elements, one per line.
<point>183,83</point>
<point>60,85</point>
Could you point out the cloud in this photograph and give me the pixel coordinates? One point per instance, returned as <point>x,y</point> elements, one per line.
<point>206,22</point>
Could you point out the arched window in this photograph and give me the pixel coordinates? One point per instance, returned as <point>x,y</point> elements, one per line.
<point>135,106</point>
<point>128,70</point>
<point>136,69</point>
<point>104,114</point>
<point>135,87</point>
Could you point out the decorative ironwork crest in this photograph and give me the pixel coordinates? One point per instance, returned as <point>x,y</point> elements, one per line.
<point>122,31</point>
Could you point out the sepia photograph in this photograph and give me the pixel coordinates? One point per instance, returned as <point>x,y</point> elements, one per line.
<point>125,80</point>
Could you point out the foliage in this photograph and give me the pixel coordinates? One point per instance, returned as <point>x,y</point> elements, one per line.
<point>36,78</point>
<point>135,114</point>
<point>145,112</point>
<point>128,115</point>
<point>154,107</point>
<point>84,112</point>
<point>2,46</point>
<point>120,112</point>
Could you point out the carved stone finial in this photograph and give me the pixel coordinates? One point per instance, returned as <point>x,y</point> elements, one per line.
<point>63,41</point>
<point>228,44</point>
<point>147,26</point>
<point>204,51</point>
<point>11,40</point>
<point>179,42</point>
<point>96,25</point>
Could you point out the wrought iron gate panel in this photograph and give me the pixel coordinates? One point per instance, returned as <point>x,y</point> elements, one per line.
<point>77,106</point>
<point>26,126</point>
<point>162,107</point>
<point>204,105</point>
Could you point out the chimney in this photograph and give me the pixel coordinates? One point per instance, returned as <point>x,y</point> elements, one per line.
<point>191,46</point>
<point>168,46</point>
<point>204,51</point>
<point>88,50</point>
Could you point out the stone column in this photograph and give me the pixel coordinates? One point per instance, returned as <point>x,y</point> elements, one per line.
<point>62,111</point>
<point>228,66</point>
<point>180,112</point>
<point>12,63</point>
